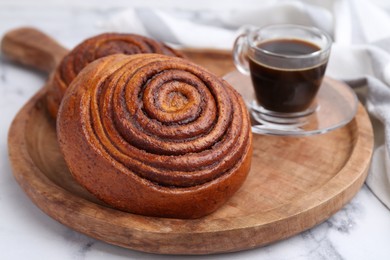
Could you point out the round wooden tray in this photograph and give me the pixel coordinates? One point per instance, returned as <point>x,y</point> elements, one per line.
<point>295,183</point>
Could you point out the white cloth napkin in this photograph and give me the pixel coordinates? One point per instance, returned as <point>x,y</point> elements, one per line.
<point>360,54</point>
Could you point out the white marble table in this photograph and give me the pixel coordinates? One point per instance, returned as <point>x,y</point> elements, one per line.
<point>361,230</point>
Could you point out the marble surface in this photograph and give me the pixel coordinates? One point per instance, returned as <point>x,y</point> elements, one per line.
<point>361,230</point>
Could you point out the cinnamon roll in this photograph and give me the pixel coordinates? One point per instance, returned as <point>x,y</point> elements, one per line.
<point>94,48</point>
<point>155,135</point>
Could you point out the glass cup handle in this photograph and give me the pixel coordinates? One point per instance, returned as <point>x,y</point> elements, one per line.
<point>240,50</point>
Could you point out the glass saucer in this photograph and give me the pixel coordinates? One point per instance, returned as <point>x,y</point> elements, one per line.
<point>335,106</point>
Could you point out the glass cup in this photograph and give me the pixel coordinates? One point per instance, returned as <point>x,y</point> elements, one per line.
<point>286,64</point>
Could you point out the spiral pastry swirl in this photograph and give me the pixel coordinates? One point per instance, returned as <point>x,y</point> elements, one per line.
<point>155,135</point>
<point>94,48</point>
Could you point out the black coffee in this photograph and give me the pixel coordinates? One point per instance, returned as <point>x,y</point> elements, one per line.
<point>284,89</point>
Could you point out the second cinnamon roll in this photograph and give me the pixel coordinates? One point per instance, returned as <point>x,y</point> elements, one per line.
<point>92,49</point>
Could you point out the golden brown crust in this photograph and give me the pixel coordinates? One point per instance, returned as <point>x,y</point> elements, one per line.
<point>155,135</point>
<point>94,48</point>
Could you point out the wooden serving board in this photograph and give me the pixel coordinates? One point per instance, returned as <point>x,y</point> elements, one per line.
<point>295,183</point>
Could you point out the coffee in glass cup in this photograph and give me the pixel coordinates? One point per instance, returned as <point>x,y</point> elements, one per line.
<point>286,64</point>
